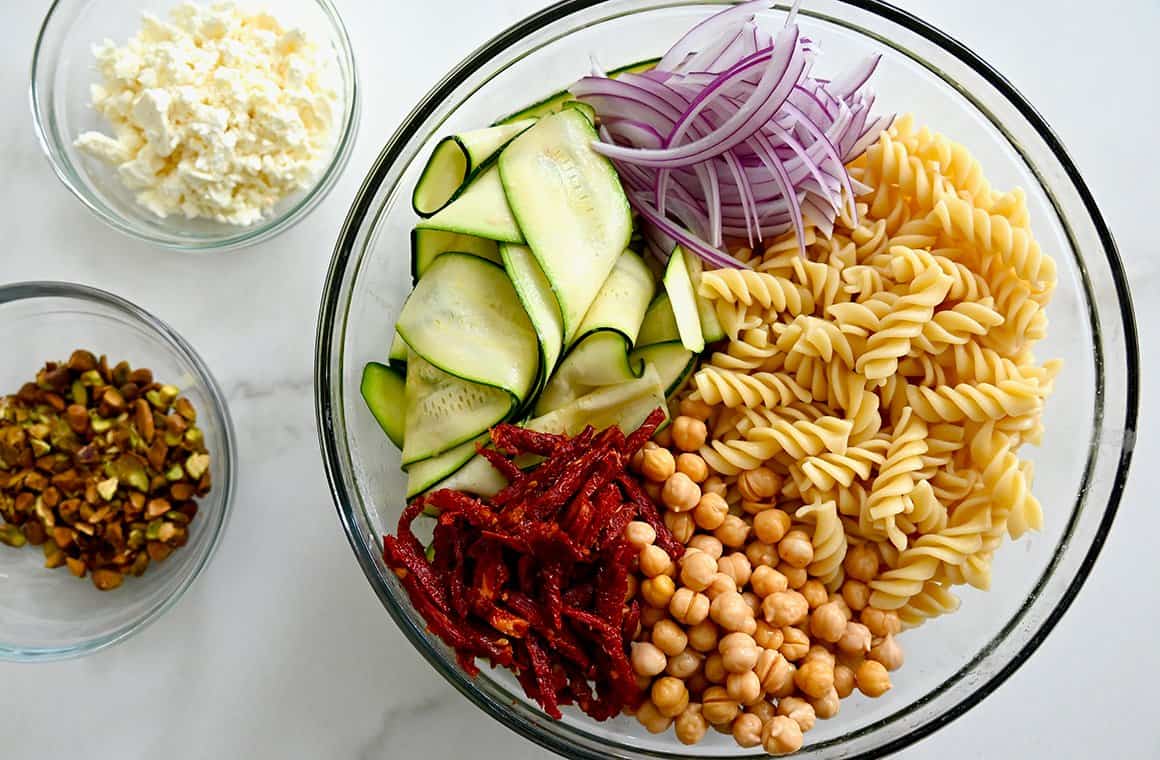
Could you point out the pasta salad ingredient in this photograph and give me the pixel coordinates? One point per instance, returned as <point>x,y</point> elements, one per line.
<point>216,113</point>
<point>537,578</point>
<point>730,134</point>
<point>101,467</point>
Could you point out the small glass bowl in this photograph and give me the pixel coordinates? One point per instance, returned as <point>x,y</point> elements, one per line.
<point>49,614</point>
<point>63,68</point>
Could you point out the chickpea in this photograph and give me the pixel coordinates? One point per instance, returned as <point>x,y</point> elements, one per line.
<point>762,709</point>
<point>657,464</point>
<point>881,622</point>
<point>715,484</point>
<point>693,466</point>
<point>781,736</point>
<point>643,683</point>
<point>738,652</point>
<point>718,707</point>
<point>680,493</point>
<point>758,485</point>
<point>703,636</point>
<point>774,672</point>
<point>744,687</point>
<point>689,433</point>
<point>872,678</point>
<point>764,580</point>
<point>632,585</point>
<point>653,490</point>
<point>768,637</point>
<point>651,718</point>
<point>707,544</point>
<point>714,668</point>
<point>799,710</point>
<point>722,584</point>
<point>828,705</point>
<point>695,408</point>
<point>843,680</point>
<point>681,525</point>
<point>815,678</point>
<point>654,561</point>
<point>861,563</point>
<point>771,525</point>
<point>783,608</point>
<point>637,460</point>
<point>658,591</point>
<point>887,652</point>
<point>730,611</point>
<point>698,570</point>
<point>837,600</point>
<point>820,652</point>
<point>710,511</point>
<point>737,567</point>
<point>815,593</point>
<point>669,637</point>
<point>650,616</point>
<point>856,594</point>
<point>664,438</point>
<point>796,549</point>
<point>670,696</point>
<point>747,730</point>
<point>749,626</point>
<point>828,623</point>
<point>796,644</point>
<point>688,606</point>
<point>855,639</point>
<point>795,576</point>
<point>761,554</point>
<point>733,531</point>
<point>647,659</point>
<point>685,664</point>
<point>639,534</point>
<point>690,726</point>
<point>753,600</point>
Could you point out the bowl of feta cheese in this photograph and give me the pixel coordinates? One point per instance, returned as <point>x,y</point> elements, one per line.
<point>200,125</point>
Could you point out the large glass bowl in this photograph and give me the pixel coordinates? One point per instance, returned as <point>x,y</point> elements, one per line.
<point>49,614</point>
<point>952,662</point>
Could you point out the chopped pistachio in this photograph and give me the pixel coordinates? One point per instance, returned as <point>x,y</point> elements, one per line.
<point>196,465</point>
<point>11,535</point>
<point>107,488</point>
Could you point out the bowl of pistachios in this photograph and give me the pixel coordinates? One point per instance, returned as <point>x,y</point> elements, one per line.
<point>116,469</point>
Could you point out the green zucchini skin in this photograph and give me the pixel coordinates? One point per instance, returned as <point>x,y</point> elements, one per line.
<point>382,389</point>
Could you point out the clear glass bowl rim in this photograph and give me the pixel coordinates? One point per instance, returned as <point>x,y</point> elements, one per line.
<point>362,207</point>
<point>246,236</point>
<point>22,291</point>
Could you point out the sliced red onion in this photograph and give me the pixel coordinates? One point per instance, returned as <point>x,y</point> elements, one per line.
<point>730,135</point>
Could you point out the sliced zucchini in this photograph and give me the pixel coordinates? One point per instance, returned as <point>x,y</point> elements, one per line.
<point>421,476</point>
<point>684,302</point>
<point>710,325</point>
<point>397,356</point>
<point>456,160</point>
<point>477,477</point>
<point>480,210</point>
<point>443,411</point>
<point>570,206</point>
<point>622,301</point>
<point>659,325</point>
<point>588,111</point>
<point>427,244</point>
<point>539,302</point>
<point>382,389</point>
<point>465,318</point>
<point>674,363</point>
<point>625,404</point>
<point>600,359</point>
<point>554,103</point>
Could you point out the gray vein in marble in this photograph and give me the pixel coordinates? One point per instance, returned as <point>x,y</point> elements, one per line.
<point>395,717</point>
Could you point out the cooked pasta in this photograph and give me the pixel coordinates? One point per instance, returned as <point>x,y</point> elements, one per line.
<point>887,377</point>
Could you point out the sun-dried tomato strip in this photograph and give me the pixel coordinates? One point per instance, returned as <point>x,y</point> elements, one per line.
<point>513,439</point>
<point>552,579</point>
<point>506,467</point>
<point>543,671</point>
<point>645,432</point>
<point>612,585</point>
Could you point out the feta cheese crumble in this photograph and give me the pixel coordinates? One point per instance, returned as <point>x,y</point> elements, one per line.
<point>216,114</point>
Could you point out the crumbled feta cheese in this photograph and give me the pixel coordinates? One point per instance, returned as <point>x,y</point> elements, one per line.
<point>216,114</point>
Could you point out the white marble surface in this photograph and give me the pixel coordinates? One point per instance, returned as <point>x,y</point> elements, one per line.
<point>282,651</point>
